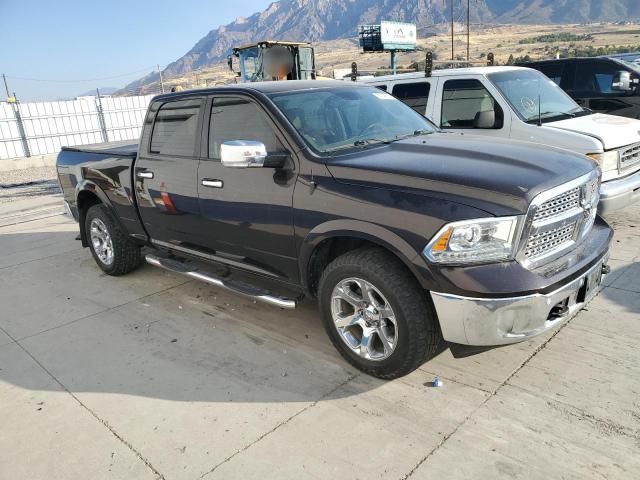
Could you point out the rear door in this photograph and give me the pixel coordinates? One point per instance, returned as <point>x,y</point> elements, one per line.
<point>247,215</point>
<point>166,171</point>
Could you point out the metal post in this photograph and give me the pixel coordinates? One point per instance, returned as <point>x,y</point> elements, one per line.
<point>468,28</point>
<point>6,87</point>
<point>393,62</point>
<point>21,130</point>
<point>103,125</point>
<point>452,30</point>
<point>161,81</point>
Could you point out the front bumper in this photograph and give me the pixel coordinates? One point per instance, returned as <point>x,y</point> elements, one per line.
<point>500,321</point>
<point>618,193</point>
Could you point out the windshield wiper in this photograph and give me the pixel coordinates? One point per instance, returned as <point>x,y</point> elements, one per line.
<point>547,115</point>
<point>369,141</point>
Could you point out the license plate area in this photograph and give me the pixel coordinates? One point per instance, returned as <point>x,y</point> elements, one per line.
<point>591,284</point>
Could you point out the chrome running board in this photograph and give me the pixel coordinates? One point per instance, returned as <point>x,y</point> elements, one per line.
<point>233,286</point>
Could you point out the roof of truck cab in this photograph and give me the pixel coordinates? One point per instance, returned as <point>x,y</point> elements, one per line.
<point>444,72</point>
<point>263,87</point>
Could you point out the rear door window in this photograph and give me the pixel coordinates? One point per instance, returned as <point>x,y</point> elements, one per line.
<point>175,128</point>
<point>414,95</point>
<point>464,102</point>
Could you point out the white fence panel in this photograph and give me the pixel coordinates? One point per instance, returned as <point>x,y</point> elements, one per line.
<point>48,126</point>
<point>10,142</point>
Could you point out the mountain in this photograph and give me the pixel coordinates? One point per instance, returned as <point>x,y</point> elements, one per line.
<point>103,91</point>
<point>314,20</point>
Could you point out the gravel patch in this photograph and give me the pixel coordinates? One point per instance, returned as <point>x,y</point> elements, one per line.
<point>27,183</point>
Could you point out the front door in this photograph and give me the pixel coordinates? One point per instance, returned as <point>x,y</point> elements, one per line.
<point>247,212</point>
<point>467,105</point>
<point>166,171</point>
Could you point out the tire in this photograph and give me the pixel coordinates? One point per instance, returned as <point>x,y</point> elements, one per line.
<point>114,252</point>
<point>410,326</point>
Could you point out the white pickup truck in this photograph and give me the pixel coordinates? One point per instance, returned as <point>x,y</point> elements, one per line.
<point>523,104</point>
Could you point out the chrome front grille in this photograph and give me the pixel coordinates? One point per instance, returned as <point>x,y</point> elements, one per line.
<point>558,205</point>
<point>558,219</point>
<point>630,157</point>
<point>541,243</point>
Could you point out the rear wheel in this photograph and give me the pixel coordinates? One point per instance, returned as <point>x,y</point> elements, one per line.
<point>114,252</point>
<point>377,315</point>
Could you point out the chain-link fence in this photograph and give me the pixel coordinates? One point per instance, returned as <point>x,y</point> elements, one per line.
<point>38,128</point>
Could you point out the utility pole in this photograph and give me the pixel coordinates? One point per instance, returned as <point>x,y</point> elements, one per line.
<point>161,82</point>
<point>468,27</point>
<point>452,30</point>
<point>6,87</point>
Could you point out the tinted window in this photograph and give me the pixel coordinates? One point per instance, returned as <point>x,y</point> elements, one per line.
<point>553,71</point>
<point>239,119</point>
<point>595,77</point>
<point>413,94</point>
<point>382,87</point>
<point>464,102</point>
<point>175,128</point>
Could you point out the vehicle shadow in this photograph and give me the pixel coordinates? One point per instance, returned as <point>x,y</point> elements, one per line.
<point>155,334</point>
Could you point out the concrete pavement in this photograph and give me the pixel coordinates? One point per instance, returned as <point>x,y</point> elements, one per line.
<point>153,376</point>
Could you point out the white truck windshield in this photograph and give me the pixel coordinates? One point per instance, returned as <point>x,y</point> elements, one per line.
<point>535,97</point>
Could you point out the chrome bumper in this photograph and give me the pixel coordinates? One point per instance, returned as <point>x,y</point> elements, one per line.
<point>618,193</point>
<point>500,321</point>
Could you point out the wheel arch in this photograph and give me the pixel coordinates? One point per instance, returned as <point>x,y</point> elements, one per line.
<point>331,239</point>
<point>89,194</point>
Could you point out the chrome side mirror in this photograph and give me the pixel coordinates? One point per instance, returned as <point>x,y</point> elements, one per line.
<point>243,154</point>
<point>621,82</point>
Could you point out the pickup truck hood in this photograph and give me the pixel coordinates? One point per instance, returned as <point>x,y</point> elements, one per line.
<point>500,177</point>
<point>612,131</point>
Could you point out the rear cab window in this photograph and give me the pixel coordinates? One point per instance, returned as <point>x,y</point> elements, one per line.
<point>175,129</point>
<point>414,94</point>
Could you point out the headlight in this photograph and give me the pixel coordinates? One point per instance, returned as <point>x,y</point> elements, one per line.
<point>475,241</point>
<point>607,160</point>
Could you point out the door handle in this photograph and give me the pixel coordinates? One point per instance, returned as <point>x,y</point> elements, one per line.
<point>145,174</point>
<point>208,182</point>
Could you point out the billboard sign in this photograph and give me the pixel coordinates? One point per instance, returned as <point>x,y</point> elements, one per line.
<point>396,35</point>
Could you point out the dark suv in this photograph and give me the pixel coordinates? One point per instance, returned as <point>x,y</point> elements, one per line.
<point>602,84</point>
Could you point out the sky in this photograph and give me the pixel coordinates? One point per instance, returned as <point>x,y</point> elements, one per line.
<point>68,47</point>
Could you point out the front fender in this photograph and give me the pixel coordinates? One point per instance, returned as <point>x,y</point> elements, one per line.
<point>371,232</point>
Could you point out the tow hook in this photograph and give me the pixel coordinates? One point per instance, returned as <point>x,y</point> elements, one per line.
<point>606,269</point>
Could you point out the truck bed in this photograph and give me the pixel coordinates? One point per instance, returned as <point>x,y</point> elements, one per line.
<point>123,148</point>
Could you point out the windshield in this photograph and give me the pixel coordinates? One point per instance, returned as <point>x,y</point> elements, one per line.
<point>534,96</point>
<point>331,119</point>
<point>251,64</point>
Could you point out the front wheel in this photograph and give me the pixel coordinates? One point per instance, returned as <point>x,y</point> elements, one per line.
<point>377,315</point>
<point>114,252</point>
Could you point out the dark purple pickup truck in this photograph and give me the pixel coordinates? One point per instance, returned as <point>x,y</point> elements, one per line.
<point>406,235</point>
